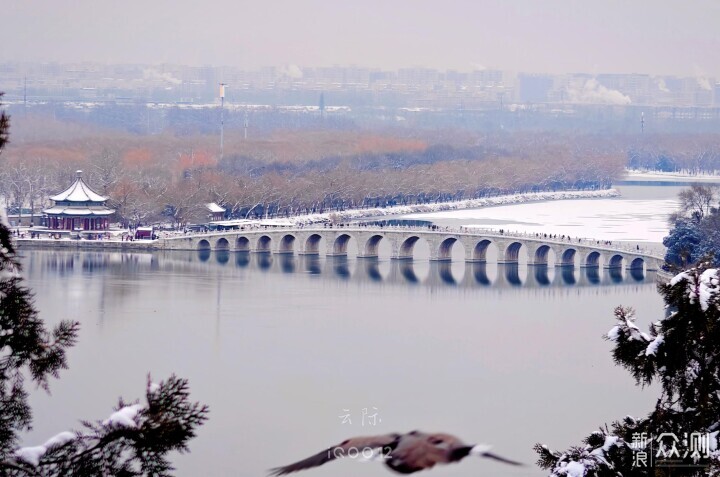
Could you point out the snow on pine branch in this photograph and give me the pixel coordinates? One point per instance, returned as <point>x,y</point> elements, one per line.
<point>135,436</point>
<point>626,327</point>
<point>703,289</point>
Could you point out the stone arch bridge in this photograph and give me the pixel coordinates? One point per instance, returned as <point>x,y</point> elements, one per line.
<point>307,241</point>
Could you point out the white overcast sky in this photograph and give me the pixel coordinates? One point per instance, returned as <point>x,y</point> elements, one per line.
<point>553,36</point>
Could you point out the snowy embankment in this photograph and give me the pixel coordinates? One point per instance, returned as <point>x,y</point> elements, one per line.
<point>685,176</point>
<point>353,214</point>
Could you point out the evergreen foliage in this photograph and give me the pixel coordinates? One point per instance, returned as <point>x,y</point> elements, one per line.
<point>695,231</point>
<point>681,352</point>
<point>133,441</point>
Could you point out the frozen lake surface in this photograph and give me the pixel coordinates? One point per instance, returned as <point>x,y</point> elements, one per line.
<point>621,219</point>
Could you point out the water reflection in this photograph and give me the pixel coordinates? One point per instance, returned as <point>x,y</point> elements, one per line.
<point>446,274</point>
<point>263,260</point>
<point>242,259</point>
<point>593,275</point>
<point>222,257</point>
<point>312,264</point>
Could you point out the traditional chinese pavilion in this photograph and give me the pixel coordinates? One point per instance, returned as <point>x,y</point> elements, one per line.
<point>78,208</point>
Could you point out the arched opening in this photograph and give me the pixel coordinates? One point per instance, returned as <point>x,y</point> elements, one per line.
<point>512,253</point>
<point>371,247</point>
<point>287,244</point>
<point>242,244</point>
<point>445,249</point>
<point>263,244</point>
<point>406,248</point>
<point>542,255</point>
<point>312,245</point>
<point>615,261</point>
<point>637,264</point>
<point>222,244</point>
<point>479,253</point>
<point>342,245</point>
<point>203,245</point>
<point>567,258</point>
<point>593,259</point>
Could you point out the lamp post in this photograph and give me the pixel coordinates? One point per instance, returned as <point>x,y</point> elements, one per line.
<point>222,118</point>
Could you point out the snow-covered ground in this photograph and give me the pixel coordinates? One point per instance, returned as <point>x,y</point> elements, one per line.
<point>639,175</point>
<point>442,206</point>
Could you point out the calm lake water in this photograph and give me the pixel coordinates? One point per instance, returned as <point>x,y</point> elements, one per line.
<point>282,348</point>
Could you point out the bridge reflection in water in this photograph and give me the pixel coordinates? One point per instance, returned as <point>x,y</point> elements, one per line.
<point>458,274</point>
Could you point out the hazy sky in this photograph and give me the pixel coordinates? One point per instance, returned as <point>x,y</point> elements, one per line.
<point>645,36</point>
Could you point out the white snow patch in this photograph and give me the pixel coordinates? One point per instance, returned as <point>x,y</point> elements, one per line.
<point>653,346</point>
<point>59,440</point>
<point>614,333</point>
<point>31,455</point>
<point>447,206</point>
<point>575,469</point>
<point>124,417</point>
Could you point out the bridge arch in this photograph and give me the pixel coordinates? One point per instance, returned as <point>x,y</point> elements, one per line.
<point>263,244</point>
<point>340,245</point>
<point>370,249</point>
<point>567,258</point>
<point>593,259</point>
<point>203,245</point>
<point>444,251</point>
<point>312,245</point>
<point>406,247</point>
<point>637,263</point>
<point>222,244</point>
<point>615,261</point>
<point>479,252</point>
<point>512,252</point>
<point>287,244</point>
<point>542,254</point>
<point>242,244</point>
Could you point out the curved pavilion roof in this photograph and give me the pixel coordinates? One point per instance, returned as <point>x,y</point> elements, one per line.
<point>79,191</point>
<point>73,210</point>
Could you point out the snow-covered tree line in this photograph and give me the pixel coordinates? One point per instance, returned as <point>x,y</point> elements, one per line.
<point>695,228</point>
<point>135,439</point>
<point>151,179</point>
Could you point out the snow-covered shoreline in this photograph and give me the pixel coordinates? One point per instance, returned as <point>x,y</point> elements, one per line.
<point>638,174</point>
<point>511,199</point>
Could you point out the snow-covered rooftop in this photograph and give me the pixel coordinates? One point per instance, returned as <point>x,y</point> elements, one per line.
<point>214,208</point>
<point>79,191</point>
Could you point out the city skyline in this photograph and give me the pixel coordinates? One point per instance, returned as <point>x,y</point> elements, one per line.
<point>563,36</point>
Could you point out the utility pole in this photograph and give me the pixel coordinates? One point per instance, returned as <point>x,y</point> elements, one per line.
<point>222,119</point>
<point>25,94</point>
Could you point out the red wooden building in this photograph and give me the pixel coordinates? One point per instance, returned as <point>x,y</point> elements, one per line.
<point>79,208</point>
